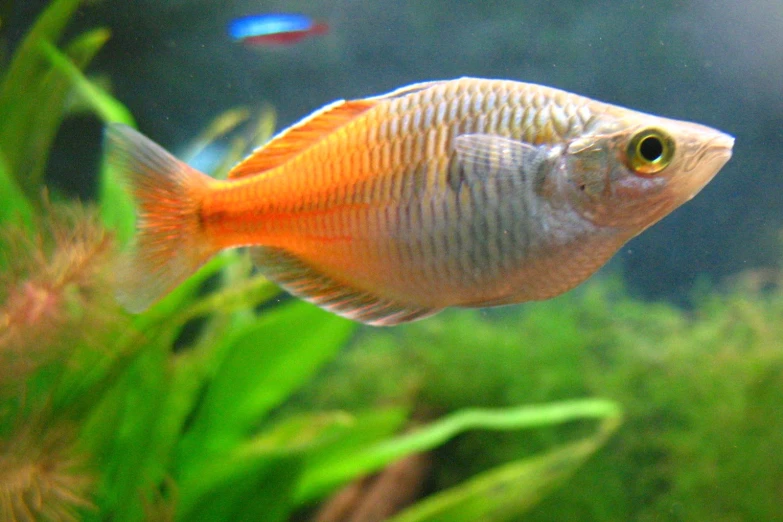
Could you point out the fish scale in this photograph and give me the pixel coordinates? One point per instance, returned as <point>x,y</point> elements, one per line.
<point>467,192</point>
<point>475,113</point>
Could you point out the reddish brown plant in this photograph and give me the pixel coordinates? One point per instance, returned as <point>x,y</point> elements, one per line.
<point>54,287</point>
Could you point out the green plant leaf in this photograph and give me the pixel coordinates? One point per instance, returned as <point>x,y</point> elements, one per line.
<point>291,442</point>
<point>248,490</point>
<point>106,106</point>
<point>164,319</point>
<point>263,364</point>
<point>117,208</point>
<point>26,64</point>
<point>51,99</point>
<point>116,204</point>
<point>24,76</point>
<point>324,476</point>
<point>239,295</point>
<point>122,434</point>
<point>219,127</point>
<point>15,204</point>
<point>328,432</point>
<point>367,429</point>
<point>506,492</point>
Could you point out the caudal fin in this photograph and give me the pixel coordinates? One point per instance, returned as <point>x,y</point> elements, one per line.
<point>170,243</point>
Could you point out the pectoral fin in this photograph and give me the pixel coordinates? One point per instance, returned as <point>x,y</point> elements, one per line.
<point>478,157</point>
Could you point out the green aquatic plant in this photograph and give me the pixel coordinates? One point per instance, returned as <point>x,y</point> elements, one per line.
<point>33,102</point>
<point>52,324</point>
<point>700,391</point>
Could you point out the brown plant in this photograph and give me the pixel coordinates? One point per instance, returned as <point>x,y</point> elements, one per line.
<point>53,288</point>
<point>41,479</point>
<point>380,496</point>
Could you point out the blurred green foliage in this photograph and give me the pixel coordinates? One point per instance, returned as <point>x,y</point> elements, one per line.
<point>174,414</point>
<point>701,391</point>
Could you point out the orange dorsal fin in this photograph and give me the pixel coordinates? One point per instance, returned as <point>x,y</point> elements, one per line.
<point>300,136</point>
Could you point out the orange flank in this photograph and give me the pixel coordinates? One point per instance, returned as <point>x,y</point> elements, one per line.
<point>466,192</point>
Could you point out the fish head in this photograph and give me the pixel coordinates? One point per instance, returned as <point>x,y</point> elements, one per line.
<point>639,168</point>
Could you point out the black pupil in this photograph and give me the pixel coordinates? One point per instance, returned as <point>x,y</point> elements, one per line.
<point>651,148</point>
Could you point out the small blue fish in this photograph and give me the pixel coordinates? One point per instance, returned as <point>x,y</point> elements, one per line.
<point>274,29</point>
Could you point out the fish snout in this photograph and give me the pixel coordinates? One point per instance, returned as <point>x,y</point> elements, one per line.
<point>708,152</point>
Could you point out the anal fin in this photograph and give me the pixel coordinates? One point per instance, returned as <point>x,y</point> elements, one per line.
<point>305,282</point>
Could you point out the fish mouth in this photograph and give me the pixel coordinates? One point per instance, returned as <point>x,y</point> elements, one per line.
<point>713,149</point>
<point>724,141</point>
<point>713,153</point>
<point>720,148</point>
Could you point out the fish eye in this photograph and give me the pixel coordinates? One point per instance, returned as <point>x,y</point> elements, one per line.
<point>650,151</point>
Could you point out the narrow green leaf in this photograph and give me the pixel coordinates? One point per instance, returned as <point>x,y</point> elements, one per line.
<point>367,429</point>
<point>117,209</point>
<point>104,104</point>
<point>78,392</point>
<point>121,435</point>
<point>220,126</point>
<point>221,477</point>
<point>264,363</point>
<point>238,296</point>
<point>51,99</point>
<point>326,475</point>
<point>327,432</point>
<point>265,129</point>
<point>164,314</point>
<point>506,492</point>
<point>250,490</point>
<point>26,63</point>
<point>194,366</point>
<point>22,78</point>
<point>15,205</point>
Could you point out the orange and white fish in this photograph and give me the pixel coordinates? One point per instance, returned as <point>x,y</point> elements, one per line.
<point>467,192</point>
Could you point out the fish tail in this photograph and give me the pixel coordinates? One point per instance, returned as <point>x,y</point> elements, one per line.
<point>170,242</point>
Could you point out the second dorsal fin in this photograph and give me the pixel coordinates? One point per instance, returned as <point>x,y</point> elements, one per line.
<point>300,136</point>
<point>407,89</point>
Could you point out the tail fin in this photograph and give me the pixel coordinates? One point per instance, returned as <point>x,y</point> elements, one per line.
<point>170,243</point>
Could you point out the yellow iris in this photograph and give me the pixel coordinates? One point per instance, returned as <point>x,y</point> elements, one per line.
<point>650,151</point>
